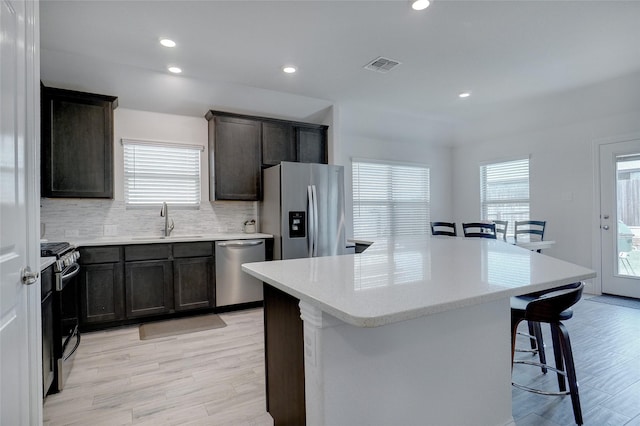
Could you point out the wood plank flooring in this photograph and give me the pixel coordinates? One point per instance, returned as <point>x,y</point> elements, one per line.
<point>606,348</point>
<point>213,377</point>
<point>216,377</point>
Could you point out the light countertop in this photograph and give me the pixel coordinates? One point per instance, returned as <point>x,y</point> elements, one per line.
<point>406,278</point>
<point>45,262</point>
<point>125,240</point>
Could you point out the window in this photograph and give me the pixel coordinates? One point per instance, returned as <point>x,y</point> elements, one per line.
<point>156,172</point>
<point>389,199</point>
<point>504,191</point>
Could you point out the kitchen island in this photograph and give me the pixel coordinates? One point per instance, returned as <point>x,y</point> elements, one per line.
<point>413,331</point>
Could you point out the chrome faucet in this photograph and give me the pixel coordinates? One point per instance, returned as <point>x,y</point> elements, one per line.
<point>164,212</point>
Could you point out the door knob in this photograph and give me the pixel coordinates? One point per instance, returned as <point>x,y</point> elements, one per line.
<point>29,277</point>
<point>605,227</point>
<point>606,216</point>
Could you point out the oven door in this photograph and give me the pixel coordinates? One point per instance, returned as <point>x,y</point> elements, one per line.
<point>65,361</point>
<point>66,323</point>
<point>48,358</point>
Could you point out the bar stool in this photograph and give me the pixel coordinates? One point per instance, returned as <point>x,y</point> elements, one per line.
<point>535,331</point>
<point>552,308</point>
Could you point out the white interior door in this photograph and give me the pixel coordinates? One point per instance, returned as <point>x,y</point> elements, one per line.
<point>620,217</point>
<point>20,403</point>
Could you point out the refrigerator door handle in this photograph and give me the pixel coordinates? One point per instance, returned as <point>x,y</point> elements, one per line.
<point>315,221</point>
<point>310,227</point>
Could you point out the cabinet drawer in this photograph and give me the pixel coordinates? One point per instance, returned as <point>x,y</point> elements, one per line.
<point>147,252</point>
<point>199,249</point>
<point>104,254</point>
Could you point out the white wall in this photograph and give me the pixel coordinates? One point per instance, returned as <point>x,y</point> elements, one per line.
<point>561,174</point>
<point>134,124</point>
<point>420,150</point>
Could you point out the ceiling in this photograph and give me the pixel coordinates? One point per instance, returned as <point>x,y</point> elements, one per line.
<point>504,52</point>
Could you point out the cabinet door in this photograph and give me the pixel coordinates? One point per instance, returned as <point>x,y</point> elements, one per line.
<point>149,288</point>
<point>236,158</point>
<point>77,144</point>
<point>278,143</point>
<point>101,293</point>
<point>312,145</point>
<point>193,283</point>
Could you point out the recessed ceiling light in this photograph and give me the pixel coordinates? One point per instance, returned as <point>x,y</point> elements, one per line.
<point>420,4</point>
<point>167,43</point>
<point>464,95</point>
<point>289,69</point>
<point>175,70</point>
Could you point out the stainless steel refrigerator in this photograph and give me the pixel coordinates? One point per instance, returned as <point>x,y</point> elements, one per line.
<point>303,207</point>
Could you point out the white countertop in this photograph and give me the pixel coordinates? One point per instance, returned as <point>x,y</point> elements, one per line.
<point>122,240</point>
<point>406,278</point>
<point>45,262</point>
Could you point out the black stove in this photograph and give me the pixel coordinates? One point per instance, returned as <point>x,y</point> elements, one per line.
<point>54,249</point>
<point>65,309</point>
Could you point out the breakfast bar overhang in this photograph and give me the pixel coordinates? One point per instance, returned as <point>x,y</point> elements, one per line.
<point>414,331</point>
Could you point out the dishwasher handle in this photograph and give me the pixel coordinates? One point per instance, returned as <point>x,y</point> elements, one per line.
<point>241,243</point>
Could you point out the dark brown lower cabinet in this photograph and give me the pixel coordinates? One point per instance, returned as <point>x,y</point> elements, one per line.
<point>284,358</point>
<point>130,283</point>
<point>101,293</point>
<point>149,287</point>
<point>193,283</point>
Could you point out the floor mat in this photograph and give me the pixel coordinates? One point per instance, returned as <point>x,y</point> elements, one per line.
<point>154,330</point>
<point>627,302</point>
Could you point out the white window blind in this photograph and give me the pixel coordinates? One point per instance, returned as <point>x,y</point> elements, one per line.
<point>504,191</point>
<point>390,199</point>
<point>161,172</point>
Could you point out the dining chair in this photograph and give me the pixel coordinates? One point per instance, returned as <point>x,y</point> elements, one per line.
<point>479,229</point>
<point>533,228</point>
<point>501,228</point>
<point>443,228</point>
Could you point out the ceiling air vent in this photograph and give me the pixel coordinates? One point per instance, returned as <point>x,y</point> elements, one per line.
<point>382,65</point>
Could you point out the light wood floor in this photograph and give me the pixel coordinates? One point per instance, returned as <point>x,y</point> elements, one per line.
<point>213,377</point>
<point>216,377</point>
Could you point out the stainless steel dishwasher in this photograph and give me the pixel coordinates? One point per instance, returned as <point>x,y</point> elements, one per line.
<point>233,286</point>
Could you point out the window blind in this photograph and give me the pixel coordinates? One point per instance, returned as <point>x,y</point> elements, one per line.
<point>504,191</point>
<point>156,173</point>
<point>390,199</point>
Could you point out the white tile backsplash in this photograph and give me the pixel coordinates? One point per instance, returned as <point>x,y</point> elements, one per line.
<point>84,218</point>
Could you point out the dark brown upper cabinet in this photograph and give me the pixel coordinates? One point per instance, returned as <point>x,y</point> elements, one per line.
<point>312,144</point>
<point>235,166</point>
<point>77,144</point>
<point>278,143</point>
<point>240,146</point>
